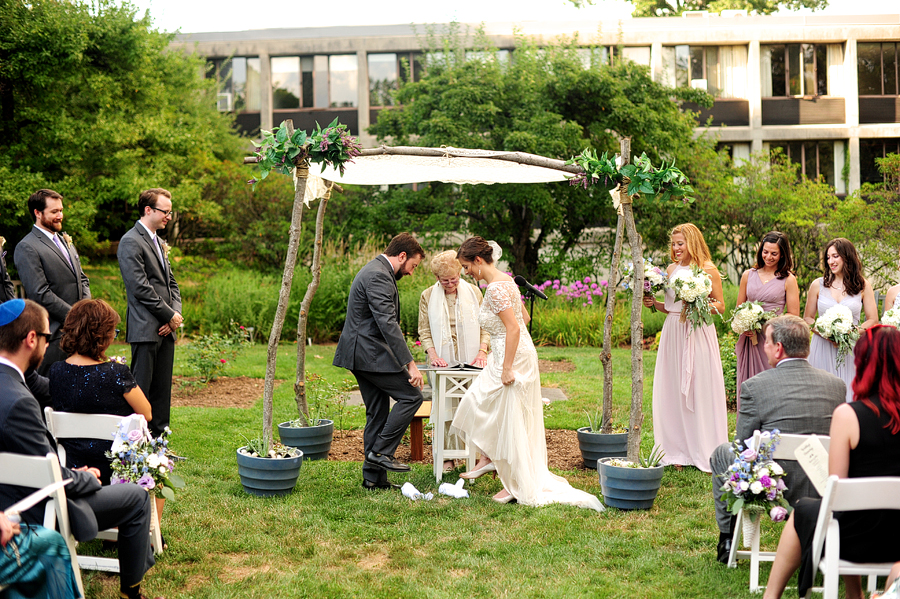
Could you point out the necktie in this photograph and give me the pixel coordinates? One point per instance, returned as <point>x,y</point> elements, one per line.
<point>63,249</point>
<point>159,251</point>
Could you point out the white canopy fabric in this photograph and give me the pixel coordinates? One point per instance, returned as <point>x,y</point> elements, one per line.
<point>454,166</point>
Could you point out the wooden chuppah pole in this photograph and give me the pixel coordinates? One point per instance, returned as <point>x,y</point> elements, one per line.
<point>287,278</point>
<point>606,352</point>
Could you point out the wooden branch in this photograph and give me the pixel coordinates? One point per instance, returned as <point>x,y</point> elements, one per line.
<point>606,352</point>
<point>287,278</point>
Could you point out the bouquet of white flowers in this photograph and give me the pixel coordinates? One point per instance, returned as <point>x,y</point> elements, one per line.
<point>138,457</point>
<point>836,325</point>
<point>891,317</point>
<point>654,278</point>
<point>750,317</point>
<point>693,288</point>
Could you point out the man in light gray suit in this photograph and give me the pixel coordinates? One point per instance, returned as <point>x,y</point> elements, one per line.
<point>373,348</point>
<point>50,268</point>
<point>793,397</point>
<point>154,303</point>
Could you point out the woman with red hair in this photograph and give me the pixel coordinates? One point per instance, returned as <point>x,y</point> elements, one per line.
<point>865,441</point>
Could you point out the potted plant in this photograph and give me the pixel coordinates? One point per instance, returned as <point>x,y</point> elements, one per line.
<point>631,485</point>
<point>268,472</point>
<point>594,443</point>
<point>312,432</point>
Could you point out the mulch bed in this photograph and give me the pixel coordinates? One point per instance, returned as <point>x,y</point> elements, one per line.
<point>224,392</point>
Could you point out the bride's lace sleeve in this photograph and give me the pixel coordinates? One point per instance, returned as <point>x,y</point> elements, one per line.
<point>500,297</point>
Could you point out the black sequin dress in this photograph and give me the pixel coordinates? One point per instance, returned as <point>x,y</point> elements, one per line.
<point>96,389</point>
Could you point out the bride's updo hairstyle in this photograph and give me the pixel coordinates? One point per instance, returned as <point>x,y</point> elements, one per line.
<point>476,246</point>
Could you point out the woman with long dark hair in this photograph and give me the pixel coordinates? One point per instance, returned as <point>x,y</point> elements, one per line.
<point>842,283</point>
<point>865,441</point>
<point>771,283</point>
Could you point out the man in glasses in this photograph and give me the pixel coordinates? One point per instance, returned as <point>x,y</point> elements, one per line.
<point>154,303</point>
<point>50,268</point>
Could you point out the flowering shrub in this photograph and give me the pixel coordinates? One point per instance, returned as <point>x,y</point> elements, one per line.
<point>138,457</point>
<point>583,291</point>
<point>754,481</point>
<point>208,355</point>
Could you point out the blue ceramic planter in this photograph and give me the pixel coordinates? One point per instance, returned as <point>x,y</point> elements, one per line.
<point>629,488</point>
<point>594,446</point>
<point>268,477</point>
<point>313,441</point>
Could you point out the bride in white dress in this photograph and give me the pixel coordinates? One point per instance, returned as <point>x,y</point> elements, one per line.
<point>502,413</point>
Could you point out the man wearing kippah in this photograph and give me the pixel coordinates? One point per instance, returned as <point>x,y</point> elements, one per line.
<point>24,335</point>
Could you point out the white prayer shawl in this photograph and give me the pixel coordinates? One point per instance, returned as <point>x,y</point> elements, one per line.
<point>468,333</point>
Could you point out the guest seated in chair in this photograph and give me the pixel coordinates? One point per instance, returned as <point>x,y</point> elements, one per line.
<point>793,397</point>
<point>448,323</point>
<point>34,562</point>
<point>89,383</point>
<point>865,441</point>
<point>24,331</point>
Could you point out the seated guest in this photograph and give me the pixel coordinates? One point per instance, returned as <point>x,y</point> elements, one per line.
<point>35,563</point>
<point>88,383</point>
<point>24,331</point>
<point>793,397</point>
<point>448,324</point>
<point>865,441</point>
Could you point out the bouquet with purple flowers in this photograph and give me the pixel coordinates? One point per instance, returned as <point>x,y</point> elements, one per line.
<point>138,457</point>
<point>754,481</point>
<point>654,278</point>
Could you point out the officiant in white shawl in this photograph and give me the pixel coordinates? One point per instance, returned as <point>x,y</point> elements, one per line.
<point>448,322</point>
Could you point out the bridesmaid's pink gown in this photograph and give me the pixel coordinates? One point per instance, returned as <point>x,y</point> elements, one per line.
<point>689,414</point>
<point>751,359</point>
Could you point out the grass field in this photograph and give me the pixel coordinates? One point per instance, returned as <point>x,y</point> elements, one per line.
<point>331,538</point>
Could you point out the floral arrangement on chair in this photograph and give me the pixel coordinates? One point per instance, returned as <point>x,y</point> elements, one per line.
<point>692,288</point>
<point>754,481</point>
<point>836,325</point>
<point>138,457</point>
<point>750,317</point>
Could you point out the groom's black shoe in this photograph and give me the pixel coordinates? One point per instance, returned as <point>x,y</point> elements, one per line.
<point>723,549</point>
<point>373,486</point>
<point>388,462</point>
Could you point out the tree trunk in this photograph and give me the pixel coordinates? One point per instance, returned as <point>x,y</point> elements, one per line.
<point>290,262</point>
<point>316,269</point>
<point>606,352</point>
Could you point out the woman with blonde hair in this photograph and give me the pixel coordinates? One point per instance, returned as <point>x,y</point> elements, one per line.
<point>448,324</point>
<point>689,414</point>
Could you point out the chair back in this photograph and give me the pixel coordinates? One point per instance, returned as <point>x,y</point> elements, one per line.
<point>68,425</point>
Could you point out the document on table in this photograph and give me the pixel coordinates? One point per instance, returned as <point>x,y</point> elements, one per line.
<point>813,458</point>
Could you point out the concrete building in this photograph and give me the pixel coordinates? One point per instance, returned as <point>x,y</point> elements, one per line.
<point>826,89</point>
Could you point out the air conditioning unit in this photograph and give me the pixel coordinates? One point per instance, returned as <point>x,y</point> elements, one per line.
<point>691,14</point>
<point>224,102</point>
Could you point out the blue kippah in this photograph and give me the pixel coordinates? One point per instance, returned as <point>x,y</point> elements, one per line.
<point>11,310</point>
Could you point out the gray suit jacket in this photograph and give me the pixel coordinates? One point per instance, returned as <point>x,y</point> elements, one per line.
<point>372,339</point>
<point>153,294</point>
<point>796,398</point>
<point>7,289</point>
<point>47,277</point>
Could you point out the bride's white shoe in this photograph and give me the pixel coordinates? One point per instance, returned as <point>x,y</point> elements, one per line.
<point>473,474</point>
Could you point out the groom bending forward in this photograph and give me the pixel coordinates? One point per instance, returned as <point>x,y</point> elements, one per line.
<point>373,348</point>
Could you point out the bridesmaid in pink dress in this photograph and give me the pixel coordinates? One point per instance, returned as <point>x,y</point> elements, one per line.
<point>772,283</point>
<point>689,415</point>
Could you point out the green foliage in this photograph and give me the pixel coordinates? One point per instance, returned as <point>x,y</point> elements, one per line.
<point>282,151</point>
<point>208,355</point>
<point>672,8</point>
<point>641,177</point>
<point>94,104</point>
<point>729,367</point>
<point>653,460</point>
<point>325,401</point>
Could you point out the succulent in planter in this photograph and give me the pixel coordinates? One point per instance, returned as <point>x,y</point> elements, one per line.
<point>256,448</point>
<point>652,461</point>
<point>325,400</point>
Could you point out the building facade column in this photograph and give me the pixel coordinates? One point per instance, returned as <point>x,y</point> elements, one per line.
<point>265,83</point>
<point>851,108</point>
<point>656,61</point>
<point>754,97</point>
<point>362,70</point>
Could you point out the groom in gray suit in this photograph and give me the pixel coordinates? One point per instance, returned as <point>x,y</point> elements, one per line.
<point>154,303</point>
<point>794,397</point>
<point>373,348</point>
<point>50,268</point>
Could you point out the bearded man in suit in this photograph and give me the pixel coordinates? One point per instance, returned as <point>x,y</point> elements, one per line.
<point>793,397</point>
<point>24,335</point>
<point>50,268</point>
<point>373,348</point>
<point>154,303</point>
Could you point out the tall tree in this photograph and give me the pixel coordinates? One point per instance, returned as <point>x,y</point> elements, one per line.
<point>673,8</point>
<point>95,105</point>
<point>553,101</point>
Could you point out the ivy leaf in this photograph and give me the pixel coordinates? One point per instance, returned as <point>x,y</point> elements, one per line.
<point>281,136</point>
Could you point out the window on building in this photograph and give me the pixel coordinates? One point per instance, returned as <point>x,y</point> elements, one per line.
<point>816,158</point>
<point>869,150</point>
<point>319,81</point>
<point>800,69</point>
<point>599,55</point>
<point>721,71</point>
<point>286,82</point>
<point>877,65</point>
<point>387,70</point>
<point>239,83</point>
<point>344,80</point>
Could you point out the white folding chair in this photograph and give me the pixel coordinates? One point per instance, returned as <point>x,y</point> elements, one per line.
<point>785,451</point>
<point>67,425</point>
<point>37,472</point>
<point>850,495</point>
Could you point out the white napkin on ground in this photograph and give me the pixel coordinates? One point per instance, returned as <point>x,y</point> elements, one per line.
<point>410,491</point>
<point>456,490</point>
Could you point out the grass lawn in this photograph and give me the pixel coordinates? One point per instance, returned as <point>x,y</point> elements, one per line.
<point>330,538</point>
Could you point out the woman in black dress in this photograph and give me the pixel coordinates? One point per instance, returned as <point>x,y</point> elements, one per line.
<point>89,383</point>
<point>865,441</point>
